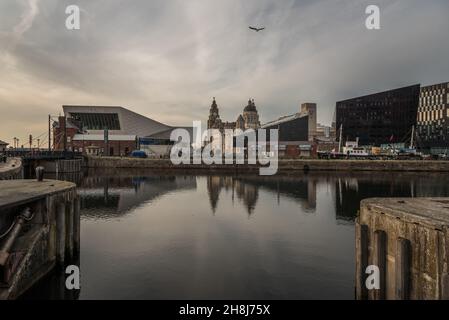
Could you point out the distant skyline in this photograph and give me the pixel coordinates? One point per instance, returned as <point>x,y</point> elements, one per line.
<point>166,59</point>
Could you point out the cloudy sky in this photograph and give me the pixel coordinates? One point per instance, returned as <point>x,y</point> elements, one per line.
<point>166,59</point>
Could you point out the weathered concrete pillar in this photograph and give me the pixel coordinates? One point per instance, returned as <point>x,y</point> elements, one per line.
<point>361,261</point>
<point>403,265</point>
<point>40,246</point>
<point>380,260</point>
<point>77,227</point>
<point>69,230</point>
<point>60,233</point>
<point>52,214</point>
<point>413,253</point>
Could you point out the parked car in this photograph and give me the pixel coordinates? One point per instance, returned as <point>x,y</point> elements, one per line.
<point>138,154</point>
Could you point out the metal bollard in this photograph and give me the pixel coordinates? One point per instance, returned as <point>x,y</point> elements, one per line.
<point>40,173</point>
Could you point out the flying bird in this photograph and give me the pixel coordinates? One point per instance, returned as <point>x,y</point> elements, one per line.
<point>257,29</point>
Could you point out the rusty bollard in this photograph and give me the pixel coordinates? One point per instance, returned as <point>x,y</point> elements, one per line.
<point>40,173</point>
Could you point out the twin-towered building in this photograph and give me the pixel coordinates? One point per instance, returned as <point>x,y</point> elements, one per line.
<point>249,119</point>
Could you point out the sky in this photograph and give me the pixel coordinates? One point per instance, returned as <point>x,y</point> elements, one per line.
<point>166,59</point>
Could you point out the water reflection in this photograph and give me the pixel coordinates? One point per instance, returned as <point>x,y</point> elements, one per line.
<point>118,195</point>
<point>165,235</point>
<point>119,192</point>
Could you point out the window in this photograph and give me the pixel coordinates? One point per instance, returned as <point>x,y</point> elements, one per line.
<point>98,121</point>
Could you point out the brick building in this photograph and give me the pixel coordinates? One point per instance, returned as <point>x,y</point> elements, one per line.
<point>104,130</point>
<point>68,136</point>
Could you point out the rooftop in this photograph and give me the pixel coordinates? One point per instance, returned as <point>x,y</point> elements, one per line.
<point>100,137</point>
<point>283,119</point>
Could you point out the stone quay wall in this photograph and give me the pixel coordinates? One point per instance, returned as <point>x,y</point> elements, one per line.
<point>283,165</point>
<point>12,169</point>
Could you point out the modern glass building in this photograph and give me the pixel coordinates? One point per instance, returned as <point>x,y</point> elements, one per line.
<point>385,117</point>
<point>118,120</point>
<point>433,119</point>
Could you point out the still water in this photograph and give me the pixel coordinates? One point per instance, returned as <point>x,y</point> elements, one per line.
<point>153,236</point>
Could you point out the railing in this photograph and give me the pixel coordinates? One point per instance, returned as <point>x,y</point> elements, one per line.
<point>35,154</point>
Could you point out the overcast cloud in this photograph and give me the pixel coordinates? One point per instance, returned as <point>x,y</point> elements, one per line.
<point>166,59</point>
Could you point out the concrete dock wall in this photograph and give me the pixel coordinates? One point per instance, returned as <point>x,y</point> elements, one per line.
<point>61,166</point>
<point>12,169</point>
<point>49,239</point>
<point>284,165</point>
<point>408,240</point>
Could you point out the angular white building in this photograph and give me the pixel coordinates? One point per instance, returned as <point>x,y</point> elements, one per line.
<point>118,120</point>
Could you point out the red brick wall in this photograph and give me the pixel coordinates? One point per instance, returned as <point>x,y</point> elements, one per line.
<point>292,151</point>
<point>58,135</point>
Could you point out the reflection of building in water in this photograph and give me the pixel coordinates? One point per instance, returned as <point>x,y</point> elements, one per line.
<point>248,193</point>
<point>300,188</point>
<point>350,191</point>
<point>214,185</point>
<point>116,195</point>
<point>246,188</point>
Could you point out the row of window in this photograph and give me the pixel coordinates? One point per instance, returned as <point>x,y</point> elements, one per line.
<point>438,89</point>
<point>97,121</point>
<point>433,100</point>
<point>433,115</point>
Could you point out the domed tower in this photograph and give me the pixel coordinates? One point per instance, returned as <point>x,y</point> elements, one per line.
<point>251,116</point>
<point>214,121</point>
<point>240,123</point>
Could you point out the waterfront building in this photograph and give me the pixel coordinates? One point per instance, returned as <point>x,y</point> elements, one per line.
<point>249,119</point>
<point>295,137</point>
<point>310,110</point>
<point>3,146</point>
<point>110,130</point>
<point>433,119</point>
<point>385,117</point>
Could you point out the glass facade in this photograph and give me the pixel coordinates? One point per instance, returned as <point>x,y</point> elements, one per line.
<point>385,117</point>
<point>97,121</point>
<point>433,113</point>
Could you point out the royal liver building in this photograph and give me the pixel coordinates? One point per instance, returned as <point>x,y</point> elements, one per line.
<point>248,120</point>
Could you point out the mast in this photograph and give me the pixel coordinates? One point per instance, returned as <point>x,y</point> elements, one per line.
<point>412,139</point>
<point>339,139</point>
